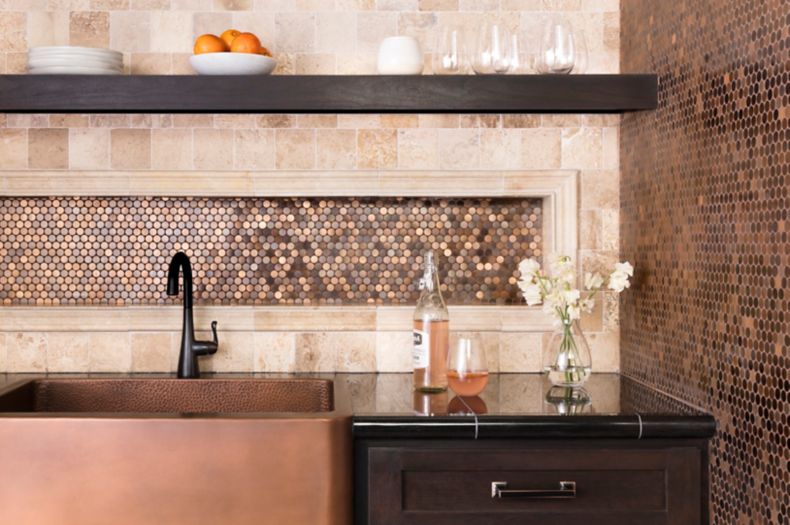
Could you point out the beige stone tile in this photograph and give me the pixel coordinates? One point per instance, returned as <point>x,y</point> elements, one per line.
<point>336,149</point>
<point>48,148</point>
<point>459,148</point>
<point>500,148</point>
<point>520,121</point>
<point>437,5</point>
<point>520,352</point>
<point>418,149</point>
<point>353,5</point>
<point>286,63</point>
<point>69,121</point>
<point>561,120</point>
<point>605,350</point>
<point>611,148</point>
<point>356,351</point>
<point>276,121</point>
<point>590,229</point>
<point>294,32</point>
<point>16,63</point>
<point>372,28</point>
<point>151,64</point>
<point>333,30</point>
<point>3,354</point>
<point>600,189</point>
<point>155,4</point>
<point>232,5</point>
<point>13,149</point>
<point>69,352</point>
<point>130,31</point>
<point>13,28</point>
<point>377,148</point>
<point>222,121</point>
<point>235,354</point>
<point>610,229</point>
<point>541,148</point>
<point>611,311</point>
<point>423,27</point>
<point>89,148</point>
<point>275,352</point>
<point>109,121</point>
<point>396,5</point>
<point>397,120</point>
<point>352,121</point>
<point>151,352</point>
<point>438,121</point>
<point>193,121</point>
<point>213,149</point>
<point>601,120</point>
<point>130,149</point>
<point>480,121</point>
<point>593,321</point>
<point>26,121</point>
<point>581,148</point>
<point>110,352</point>
<point>108,5</point>
<point>261,23</point>
<point>356,64</point>
<point>171,149</point>
<point>213,23</point>
<point>89,28</point>
<point>394,351</point>
<point>171,31</point>
<point>26,352</point>
<point>254,149</point>
<point>47,28</point>
<point>315,64</point>
<point>295,148</point>
<point>316,121</point>
<point>598,261</point>
<point>314,353</point>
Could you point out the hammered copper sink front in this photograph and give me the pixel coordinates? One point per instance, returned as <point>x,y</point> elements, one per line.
<point>142,451</point>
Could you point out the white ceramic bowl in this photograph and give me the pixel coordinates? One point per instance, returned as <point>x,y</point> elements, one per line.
<point>232,64</point>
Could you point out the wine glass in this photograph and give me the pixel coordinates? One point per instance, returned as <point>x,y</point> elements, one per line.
<point>557,47</point>
<point>493,51</point>
<point>449,57</point>
<point>467,369</point>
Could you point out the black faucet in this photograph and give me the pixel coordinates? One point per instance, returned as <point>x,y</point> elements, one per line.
<point>190,348</point>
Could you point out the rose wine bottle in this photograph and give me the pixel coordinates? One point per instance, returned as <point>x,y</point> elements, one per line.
<point>431,332</point>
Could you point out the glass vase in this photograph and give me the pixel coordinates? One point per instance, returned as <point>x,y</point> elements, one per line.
<point>567,360</point>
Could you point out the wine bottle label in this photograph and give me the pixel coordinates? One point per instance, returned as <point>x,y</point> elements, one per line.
<point>420,353</point>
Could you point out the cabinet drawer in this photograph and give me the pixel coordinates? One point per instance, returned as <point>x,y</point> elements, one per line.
<point>431,485</point>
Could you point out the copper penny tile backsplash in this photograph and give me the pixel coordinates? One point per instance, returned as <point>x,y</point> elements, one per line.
<point>705,215</point>
<point>254,251</point>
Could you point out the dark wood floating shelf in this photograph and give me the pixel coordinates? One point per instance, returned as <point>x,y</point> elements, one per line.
<point>327,94</point>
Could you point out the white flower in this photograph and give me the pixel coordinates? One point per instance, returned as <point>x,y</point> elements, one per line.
<point>618,282</point>
<point>571,296</point>
<point>624,267</point>
<point>593,281</point>
<point>528,267</point>
<point>532,294</point>
<point>574,312</point>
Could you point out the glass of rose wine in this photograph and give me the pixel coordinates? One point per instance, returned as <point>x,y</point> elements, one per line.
<point>467,369</point>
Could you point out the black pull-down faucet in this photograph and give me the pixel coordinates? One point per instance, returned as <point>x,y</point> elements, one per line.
<point>190,348</point>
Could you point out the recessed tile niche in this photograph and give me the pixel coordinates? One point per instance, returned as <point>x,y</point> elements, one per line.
<point>257,251</point>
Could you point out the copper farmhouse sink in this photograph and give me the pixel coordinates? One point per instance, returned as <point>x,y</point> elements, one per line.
<point>204,451</point>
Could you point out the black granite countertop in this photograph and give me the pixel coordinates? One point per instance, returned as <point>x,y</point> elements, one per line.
<point>511,406</point>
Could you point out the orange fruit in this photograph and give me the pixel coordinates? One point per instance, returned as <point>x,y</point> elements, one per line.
<point>246,43</point>
<point>209,44</point>
<point>228,35</point>
<point>265,52</point>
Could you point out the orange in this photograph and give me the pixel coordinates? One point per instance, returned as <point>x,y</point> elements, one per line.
<point>246,43</point>
<point>228,35</point>
<point>209,44</point>
<point>265,52</point>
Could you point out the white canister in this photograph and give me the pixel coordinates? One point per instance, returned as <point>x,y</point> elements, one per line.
<point>400,55</point>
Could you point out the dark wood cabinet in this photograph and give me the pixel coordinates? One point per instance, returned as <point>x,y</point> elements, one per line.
<point>432,482</point>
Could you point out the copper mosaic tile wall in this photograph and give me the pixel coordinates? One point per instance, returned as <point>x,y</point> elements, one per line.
<point>112,251</point>
<point>705,199</point>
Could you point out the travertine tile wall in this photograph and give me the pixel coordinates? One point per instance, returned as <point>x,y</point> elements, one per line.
<point>327,37</point>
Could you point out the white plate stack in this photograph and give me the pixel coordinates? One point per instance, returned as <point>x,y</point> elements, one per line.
<point>72,60</point>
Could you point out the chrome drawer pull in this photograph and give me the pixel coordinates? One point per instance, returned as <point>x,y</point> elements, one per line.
<point>567,490</point>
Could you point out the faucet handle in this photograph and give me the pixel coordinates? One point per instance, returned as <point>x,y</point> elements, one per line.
<point>214,331</point>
